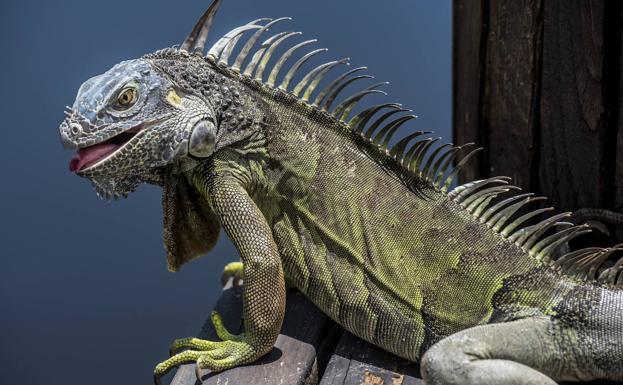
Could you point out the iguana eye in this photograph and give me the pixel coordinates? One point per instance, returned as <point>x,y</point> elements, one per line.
<point>127,97</point>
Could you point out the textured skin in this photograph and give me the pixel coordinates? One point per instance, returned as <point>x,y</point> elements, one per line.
<point>388,255</point>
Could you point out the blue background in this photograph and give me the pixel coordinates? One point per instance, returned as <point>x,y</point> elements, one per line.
<point>85,296</point>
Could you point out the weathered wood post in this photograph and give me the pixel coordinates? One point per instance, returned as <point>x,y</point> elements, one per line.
<point>538,84</point>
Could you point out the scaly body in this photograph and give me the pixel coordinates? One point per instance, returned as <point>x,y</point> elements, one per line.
<point>368,231</point>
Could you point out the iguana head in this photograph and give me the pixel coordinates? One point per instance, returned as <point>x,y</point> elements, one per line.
<point>129,123</point>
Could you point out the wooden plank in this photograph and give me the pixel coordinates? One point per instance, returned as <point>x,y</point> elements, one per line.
<point>617,122</point>
<point>511,88</point>
<point>497,47</point>
<point>356,362</point>
<point>292,361</point>
<point>468,54</point>
<point>572,105</point>
<point>538,84</point>
<point>618,180</point>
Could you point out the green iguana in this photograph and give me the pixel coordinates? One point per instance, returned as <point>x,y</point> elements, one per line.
<point>366,226</point>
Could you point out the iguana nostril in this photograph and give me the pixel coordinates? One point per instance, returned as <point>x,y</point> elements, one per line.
<point>75,128</point>
<point>65,136</point>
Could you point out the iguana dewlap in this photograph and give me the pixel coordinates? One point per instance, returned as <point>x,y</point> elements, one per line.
<point>367,226</point>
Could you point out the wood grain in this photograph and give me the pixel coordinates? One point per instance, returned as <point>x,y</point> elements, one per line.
<point>356,362</point>
<point>467,65</point>
<point>572,105</point>
<point>538,83</point>
<point>510,87</point>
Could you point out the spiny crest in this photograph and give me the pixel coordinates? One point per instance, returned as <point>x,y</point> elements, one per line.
<point>543,239</point>
<point>418,155</point>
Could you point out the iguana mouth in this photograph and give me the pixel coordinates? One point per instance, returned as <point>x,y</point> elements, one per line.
<point>91,155</point>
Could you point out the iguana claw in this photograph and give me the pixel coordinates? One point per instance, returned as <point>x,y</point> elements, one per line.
<point>232,270</point>
<point>157,380</point>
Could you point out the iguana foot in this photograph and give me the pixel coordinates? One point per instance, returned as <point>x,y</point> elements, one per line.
<point>233,350</point>
<point>232,270</point>
<point>214,355</point>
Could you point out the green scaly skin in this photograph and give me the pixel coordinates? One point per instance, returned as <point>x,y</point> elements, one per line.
<point>382,249</point>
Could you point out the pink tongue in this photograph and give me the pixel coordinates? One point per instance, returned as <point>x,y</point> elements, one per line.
<point>89,155</point>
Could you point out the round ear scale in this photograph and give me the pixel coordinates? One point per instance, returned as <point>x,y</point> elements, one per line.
<point>202,138</point>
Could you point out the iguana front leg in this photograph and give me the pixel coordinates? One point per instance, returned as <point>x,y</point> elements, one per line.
<point>263,290</point>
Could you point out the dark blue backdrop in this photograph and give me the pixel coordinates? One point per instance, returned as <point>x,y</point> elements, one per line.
<point>84,292</point>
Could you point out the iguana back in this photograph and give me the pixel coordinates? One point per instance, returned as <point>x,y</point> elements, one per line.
<point>345,215</point>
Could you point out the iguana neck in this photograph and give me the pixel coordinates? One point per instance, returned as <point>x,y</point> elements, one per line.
<point>241,115</point>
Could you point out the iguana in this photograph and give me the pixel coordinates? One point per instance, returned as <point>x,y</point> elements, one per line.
<point>368,227</point>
